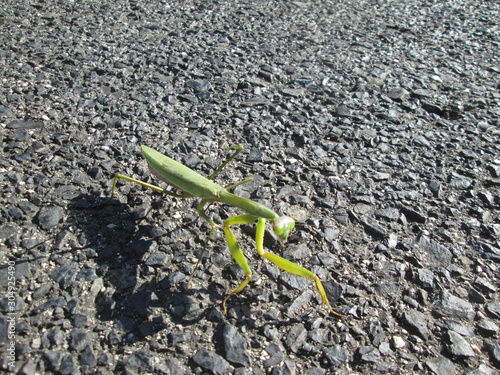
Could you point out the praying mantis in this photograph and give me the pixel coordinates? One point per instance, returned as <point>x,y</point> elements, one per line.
<point>192,184</point>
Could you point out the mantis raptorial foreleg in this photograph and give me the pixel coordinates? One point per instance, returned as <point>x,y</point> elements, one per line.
<point>281,262</point>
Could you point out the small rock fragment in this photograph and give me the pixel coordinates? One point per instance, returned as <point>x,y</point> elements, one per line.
<point>210,361</point>
<point>369,354</point>
<point>336,355</point>
<point>49,217</point>
<point>80,338</point>
<point>494,351</point>
<point>235,346</point>
<point>487,327</point>
<point>436,254</point>
<point>156,259</point>
<point>454,307</point>
<point>296,337</point>
<point>458,346</point>
<point>460,182</point>
<point>398,342</point>
<point>417,322</point>
<point>441,366</point>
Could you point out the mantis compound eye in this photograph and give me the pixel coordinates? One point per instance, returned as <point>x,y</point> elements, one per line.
<point>282,226</point>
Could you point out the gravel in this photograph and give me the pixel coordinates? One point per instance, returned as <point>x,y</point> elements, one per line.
<point>374,123</point>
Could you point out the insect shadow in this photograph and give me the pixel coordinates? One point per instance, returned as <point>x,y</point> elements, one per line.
<point>138,284</point>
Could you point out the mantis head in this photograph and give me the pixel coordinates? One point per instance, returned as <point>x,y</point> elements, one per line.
<point>282,226</point>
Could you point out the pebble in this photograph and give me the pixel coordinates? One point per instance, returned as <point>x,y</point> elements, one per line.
<point>417,322</point>
<point>210,361</point>
<point>296,337</point>
<point>369,354</point>
<point>441,366</point>
<point>235,346</point>
<point>458,346</point>
<point>49,217</point>
<point>336,355</point>
<point>398,342</point>
<point>80,338</point>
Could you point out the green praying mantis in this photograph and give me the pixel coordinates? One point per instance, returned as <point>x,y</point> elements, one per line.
<point>192,184</point>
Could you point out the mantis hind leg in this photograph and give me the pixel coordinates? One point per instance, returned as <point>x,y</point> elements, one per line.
<point>145,184</point>
<point>288,266</point>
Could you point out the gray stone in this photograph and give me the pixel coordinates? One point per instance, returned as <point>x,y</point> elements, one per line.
<point>65,274</point>
<point>487,327</point>
<point>210,361</point>
<point>80,338</point>
<point>336,355</point>
<point>369,354</point>
<point>156,259</point>
<point>142,361</point>
<point>441,366</point>
<point>460,182</point>
<point>235,346</point>
<point>494,351</point>
<point>49,217</point>
<point>398,93</point>
<point>458,346</point>
<point>296,337</point>
<point>454,307</point>
<point>436,254</point>
<point>417,322</point>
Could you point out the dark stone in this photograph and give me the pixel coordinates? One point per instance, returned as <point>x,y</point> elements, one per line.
<point>493,308</point>
<point>53,358</point>
<point>80,320</point>
<point>436,254</point>
<point>494,350</point>
<point>343,111</point>
<point>398,93</point>
<point>389,213</point>
<point>69,366</point>
<point>296,337</point>
<point>413,215</point>
<point>87,357</point>
<point>156,259</point>
<point>65,274</point>
<point>141,361</point>
<point>441,366</point>
<point>454,307</point>
<point>368,354</point>
<point>336,355</point>
<point>175,338</point>
<point>25,124</point>
<point>49,217</point>
<point>210,361</point>
<point>487,327</point>
<point>80,338</point>
<point>458,346</point>
<point>86,274</point>
<point>417,322</point>
<point>235,346</point>
<point>460,182</point>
